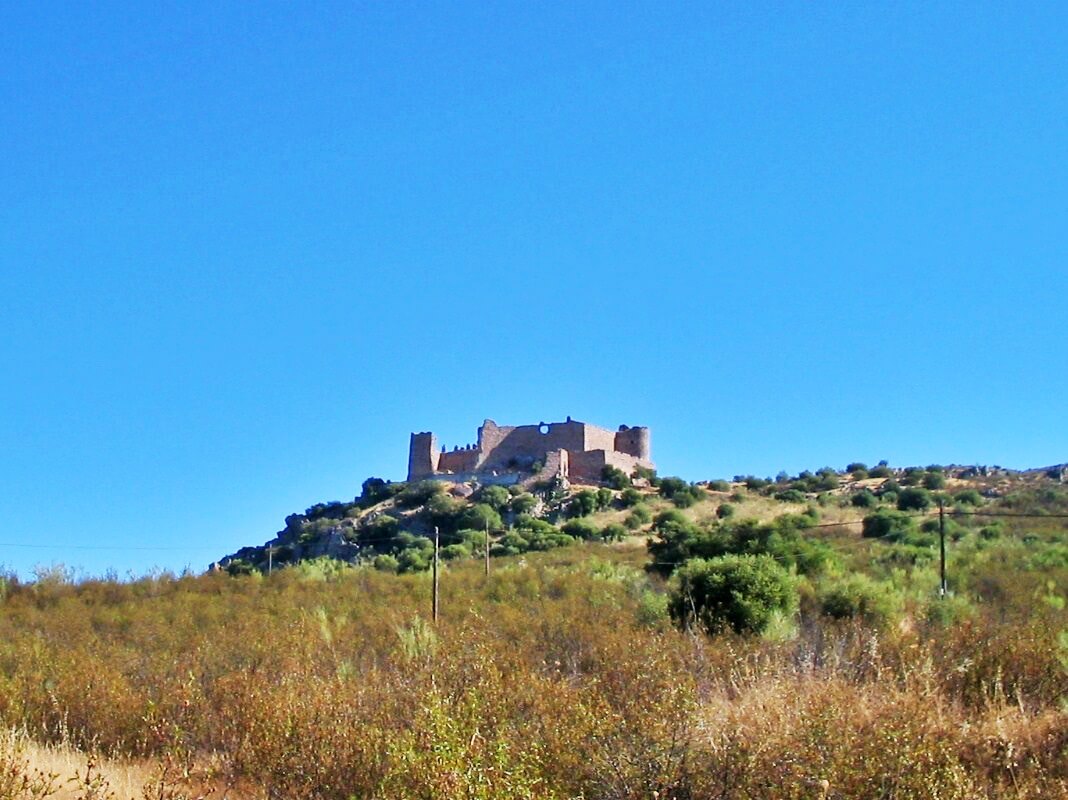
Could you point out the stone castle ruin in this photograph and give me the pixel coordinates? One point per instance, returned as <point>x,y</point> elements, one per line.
<point>571,450</point>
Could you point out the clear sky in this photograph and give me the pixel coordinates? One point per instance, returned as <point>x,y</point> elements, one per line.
<point>246,249</point>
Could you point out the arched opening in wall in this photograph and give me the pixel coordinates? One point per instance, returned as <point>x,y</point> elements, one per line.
<point>543,428</point>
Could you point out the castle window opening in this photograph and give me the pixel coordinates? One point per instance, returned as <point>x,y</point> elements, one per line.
<point>543,428</point>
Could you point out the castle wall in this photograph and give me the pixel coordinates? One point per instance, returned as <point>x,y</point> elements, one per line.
<point>560,447</point>
<point>595,438</point>
<point>634,441</point>
<point>587,467</point>
<point>458,461</point>
<point>422,455</point>
<point>519,447</point>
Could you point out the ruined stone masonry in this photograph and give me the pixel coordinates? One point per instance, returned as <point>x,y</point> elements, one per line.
<point>571,450</point>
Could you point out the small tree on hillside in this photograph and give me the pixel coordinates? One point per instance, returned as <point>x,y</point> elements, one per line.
<point>914,499</point>
<point>742,593</point>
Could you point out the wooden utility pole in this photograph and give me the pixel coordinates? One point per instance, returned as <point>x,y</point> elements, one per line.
<point>942,544</point>
<point>437,542</point>
<point>487,548</point>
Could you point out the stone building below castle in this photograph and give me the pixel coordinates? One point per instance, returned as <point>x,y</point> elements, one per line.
<point>572,450</point>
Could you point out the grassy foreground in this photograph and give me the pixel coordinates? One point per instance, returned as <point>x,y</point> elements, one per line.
<point>556,677</point>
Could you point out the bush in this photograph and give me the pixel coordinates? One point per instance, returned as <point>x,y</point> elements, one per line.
<point>881,471</point>
<point>742,593</point>
<point>379,532</point>
<point>456,551</point>
<point>582,504</point>
<point>858,596</point>
<point>886,524</point>
<point>790,496</point>
<point>386,563</point>
<point>826,479</point>
<point>375,490</point>
<point>753,483</point>
<point>445,512</point>
<point>864,499</point>
<point>630,497</point>
<point>913,499</point>
<point>968,497</point>
<point>614,477</point>
<point>669,487</point>
<point>523,503</point>
<point>724,511</point>
<point>496,497</point>
<point>683,499</point>
<point>418,494</point>
<point>604,499</point>
<point>934,481</point>
<point>677,540</point>
<point>613,532</point>
<point>412,560</point>
<point>479,517</point>
<point>646,474</point>
<point>640,515</point>
<point>580,529</point>
<point>719,486</point>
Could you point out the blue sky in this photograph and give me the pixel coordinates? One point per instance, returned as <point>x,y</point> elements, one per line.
<point>246,250</point>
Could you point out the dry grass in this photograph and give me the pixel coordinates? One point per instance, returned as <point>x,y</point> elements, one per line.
<point>71,770</point>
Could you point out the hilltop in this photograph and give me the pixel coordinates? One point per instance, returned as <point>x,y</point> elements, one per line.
<point>390,525</point>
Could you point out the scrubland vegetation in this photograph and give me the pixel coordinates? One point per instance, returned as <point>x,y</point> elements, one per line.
<point>757,638</point>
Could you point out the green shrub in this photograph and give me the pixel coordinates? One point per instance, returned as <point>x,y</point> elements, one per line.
<point>604,498</point>
<point>886,524</point>
<point>826,480</point>
<point>613,532</point>
<point>480,517</point>
<point>913,499</point>
<point>580,529</point>
<point>445,512</point>
<point>630,497</point>
<point>386,563</point>
<point>670,486</point>
<point>523,503</point>
<point>455,551</point>
<point>968,497</point>
<point>724,510</point>
<point>678,539</point>
<point>934,481</point>
<point>864,499</point>
<point>640,515</point>
<point>646,474</point>
<point>379,532</point>
<point>719,486</point>
<point>857,596</point>
<point>582,504</point>
<point>753,483</point>
<point>913,476</point>
<point>614,477</point>
<point>417,494</point>
<point>496,497</point>
<point>413,560</point>
<point>790,496</point>
<point>375,490</point>
<point>683,499</point>
<point>740,593</point>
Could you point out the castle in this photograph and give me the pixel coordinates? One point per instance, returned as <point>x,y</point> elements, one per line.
<point>571,450</point>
